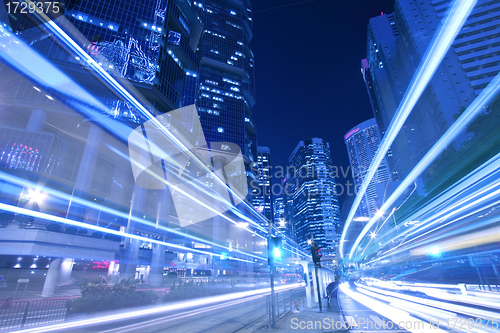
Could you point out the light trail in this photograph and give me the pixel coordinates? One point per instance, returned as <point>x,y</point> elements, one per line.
<point>58,194</point>
<point>485,172</point>
<point>455,308</point>
<point>163,320</point>
<point>474,109</point>
<point>156,310</point>
<point>398,316</point>
<point>23,58</point>
<point>389,300</point>
<point>119,89</point>
<point>79,224</point>
<point>449,28</point>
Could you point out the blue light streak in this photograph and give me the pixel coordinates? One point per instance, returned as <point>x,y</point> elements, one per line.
<point>439,45</point>
<point>474,109</point>
<point>81,100</point>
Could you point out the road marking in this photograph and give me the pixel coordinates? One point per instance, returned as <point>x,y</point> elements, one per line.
<point>378,321</point>
<point>351,321</point>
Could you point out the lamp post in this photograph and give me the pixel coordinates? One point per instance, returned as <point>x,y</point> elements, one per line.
<point>316,261</point>
<point>271,273</point>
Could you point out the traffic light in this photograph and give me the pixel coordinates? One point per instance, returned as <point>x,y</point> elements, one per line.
<point>274,248</point>
<point>315,253</point>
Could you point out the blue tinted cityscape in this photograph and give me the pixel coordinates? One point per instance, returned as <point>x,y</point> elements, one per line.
<point>248,166</point>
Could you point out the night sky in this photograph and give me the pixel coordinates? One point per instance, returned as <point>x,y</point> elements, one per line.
<point>307,71</point>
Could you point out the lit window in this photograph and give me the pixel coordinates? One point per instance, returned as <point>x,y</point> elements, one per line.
<point>220,130</point>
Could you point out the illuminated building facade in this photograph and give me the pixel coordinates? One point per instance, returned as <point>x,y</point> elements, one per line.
<point>362,143</point>
<point>226,75</point>
<point>151,48</point>
<point>262,197</point>
<point>315,202</point>
<point>396,44</point>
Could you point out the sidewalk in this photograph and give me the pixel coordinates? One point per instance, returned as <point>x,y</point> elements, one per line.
<point>308,320</point>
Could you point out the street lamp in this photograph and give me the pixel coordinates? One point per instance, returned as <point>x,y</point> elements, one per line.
<point>36,195</point>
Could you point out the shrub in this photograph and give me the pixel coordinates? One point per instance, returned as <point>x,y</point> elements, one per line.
<point>71,230</point>
<point>114,238</point>
<point>101,297</point>
<point>82,231</point>
<point>56,227</point>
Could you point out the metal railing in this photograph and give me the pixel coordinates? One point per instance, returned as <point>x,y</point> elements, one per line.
<point>31,313</point>
<point>283,303</point>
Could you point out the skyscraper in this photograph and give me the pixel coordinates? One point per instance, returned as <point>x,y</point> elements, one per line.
<point>226,76</point>
<point>316,207</point>
<point>154,47</point>
<point>379,116</point>
<point>262,198</point>
<point>152,44</point>
<point>288,193</point>
<point>396,45</point>
<point>362,143</point>
<point>279,209</point>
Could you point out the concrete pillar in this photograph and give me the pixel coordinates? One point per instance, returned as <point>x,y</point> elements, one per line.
<point>315,286</point>
<point>36,123</point>
<point>163,206</point>
<point>305,266</point>
<point>86,170</point>
<point>52,278</point>
<point>129,262</point>
<point>65,270</point>
<point>157,265</point>
<point>218,232</point>
<point>322,281</point>
<point>111,270</point>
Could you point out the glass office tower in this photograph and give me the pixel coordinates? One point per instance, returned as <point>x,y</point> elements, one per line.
<point>150,43</point>
<point>362,143</point>
<point>316,207</point>
<point>395,46</point>
<point>262,197</point>
<point>226,75</point>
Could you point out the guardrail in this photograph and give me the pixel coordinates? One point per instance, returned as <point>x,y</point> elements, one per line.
<point>21,314</point>
<point>283,303</point>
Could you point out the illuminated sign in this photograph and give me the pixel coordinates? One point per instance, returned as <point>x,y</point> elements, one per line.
<point>100,264</point>
<point>354,130</point>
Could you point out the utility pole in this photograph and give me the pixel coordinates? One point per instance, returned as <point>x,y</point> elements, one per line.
<point>317,262</point>
<point>271,273</point>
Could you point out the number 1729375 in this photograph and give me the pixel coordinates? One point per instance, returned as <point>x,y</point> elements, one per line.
<point>471,323</point>
<point>31,7</point>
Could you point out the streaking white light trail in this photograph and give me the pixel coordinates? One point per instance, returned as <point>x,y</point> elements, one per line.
<point>449,28</point>
<point>399,317</point>
<point>163,320</point>
<point>58,194</point>
<point>77,49</point>
<point>54,218</point>
<point>447,306</point>
<point>22,57</point>
<point>486,172</point>
<point>156,310</point>
<point>474,109</point>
